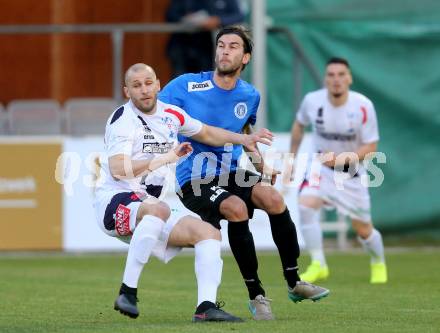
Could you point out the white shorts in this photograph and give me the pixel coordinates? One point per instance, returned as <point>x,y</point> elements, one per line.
<point>105,208</point>
<point>347,194</point>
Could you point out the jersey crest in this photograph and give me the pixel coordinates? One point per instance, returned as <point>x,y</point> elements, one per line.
<point>240,110</point>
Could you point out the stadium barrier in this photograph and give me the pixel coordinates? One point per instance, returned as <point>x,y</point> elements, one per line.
<point>47,192</point>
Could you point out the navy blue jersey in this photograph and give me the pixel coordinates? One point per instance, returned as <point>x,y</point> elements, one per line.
<point>202,99</point>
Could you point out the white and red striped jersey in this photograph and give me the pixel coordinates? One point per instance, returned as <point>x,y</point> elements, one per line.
<point>141,136</point>
<point>339,129</point>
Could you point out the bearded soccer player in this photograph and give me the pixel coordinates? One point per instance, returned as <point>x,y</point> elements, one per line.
<point>214,187</point>
<point>140,142</point>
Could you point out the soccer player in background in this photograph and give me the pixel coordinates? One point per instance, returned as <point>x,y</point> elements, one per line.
<point>140,141</point>
<point>342,121</point>
<point>214,187</point>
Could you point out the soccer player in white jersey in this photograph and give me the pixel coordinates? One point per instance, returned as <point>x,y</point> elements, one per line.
<point>140,140</point>
<point>342,121</point>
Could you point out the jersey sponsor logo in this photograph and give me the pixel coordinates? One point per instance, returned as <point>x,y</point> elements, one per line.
<point>157,148</point>
<point>200,86</point>
<point>122,221</point>
<point>337,136</point>
<point>240,110</point>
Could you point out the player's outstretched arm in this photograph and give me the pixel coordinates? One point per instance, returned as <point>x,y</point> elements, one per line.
<point>218,137</point>
<point>123,167</point>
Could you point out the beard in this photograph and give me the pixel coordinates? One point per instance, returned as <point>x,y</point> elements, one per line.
<point>145,108</point>
<point>228,71</point>
<point>337,95</point>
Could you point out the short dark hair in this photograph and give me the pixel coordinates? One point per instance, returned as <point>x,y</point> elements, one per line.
<point>337,60</point>
<point>240,31</point>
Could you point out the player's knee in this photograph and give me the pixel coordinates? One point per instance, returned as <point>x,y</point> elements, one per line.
<point>234,209</point>
<point>162,211</point>
<point>310,201</point>
<point>363,230</point>
<point>206,231</point>
<point>159,209</point>
<point>274,203</point>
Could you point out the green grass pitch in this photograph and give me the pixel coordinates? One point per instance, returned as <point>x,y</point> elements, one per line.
<point>75,293</point>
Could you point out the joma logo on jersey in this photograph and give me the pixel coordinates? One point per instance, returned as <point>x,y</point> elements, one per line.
<point>200,86</point>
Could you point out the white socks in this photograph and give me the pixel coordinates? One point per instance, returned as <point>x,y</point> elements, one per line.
<point>313,238</point>
<point>208,268</point>
<point>373,245</point>
<point>312,233</point>
<point>142,242</point>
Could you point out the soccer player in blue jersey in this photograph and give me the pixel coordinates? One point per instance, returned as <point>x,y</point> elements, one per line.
<point>210,181</point>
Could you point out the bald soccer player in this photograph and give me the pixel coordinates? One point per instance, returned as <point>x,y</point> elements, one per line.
<point>140,143</point>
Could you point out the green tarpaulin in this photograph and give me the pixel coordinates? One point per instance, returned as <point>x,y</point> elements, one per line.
<point>394,51</point>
